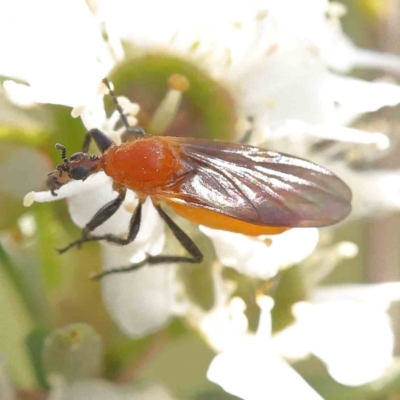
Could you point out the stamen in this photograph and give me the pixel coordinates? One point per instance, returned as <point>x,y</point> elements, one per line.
<point>338,134</point>
<point>264,329</point>
<point>178,82</point>
<point>266,303</point>
<point>237,308</point>
<point>128,107</point>
<point>77,111</point>
<point>169,106</point>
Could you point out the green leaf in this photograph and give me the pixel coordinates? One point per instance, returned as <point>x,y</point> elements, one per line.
<point>35,343</point>
<point>16,323</point>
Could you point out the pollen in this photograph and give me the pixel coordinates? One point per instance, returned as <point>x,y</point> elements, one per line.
<point>178,82</point>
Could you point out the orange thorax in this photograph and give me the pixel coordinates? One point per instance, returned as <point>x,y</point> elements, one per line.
<point>143,165</point>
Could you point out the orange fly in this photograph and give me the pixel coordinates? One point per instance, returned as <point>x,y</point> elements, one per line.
<point>227,186</point>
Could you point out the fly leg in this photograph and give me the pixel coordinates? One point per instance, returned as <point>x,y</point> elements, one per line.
<point>101,216</point>
<point>105,142</point>
<point>135,131</point>
<point>102,141</point>
<point>86,142</point>
<point>195,257</point>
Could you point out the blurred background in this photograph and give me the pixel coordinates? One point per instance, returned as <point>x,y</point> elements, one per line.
<point>53,321</point>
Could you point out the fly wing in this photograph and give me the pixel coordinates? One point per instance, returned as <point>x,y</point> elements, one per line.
<point>257,186</point>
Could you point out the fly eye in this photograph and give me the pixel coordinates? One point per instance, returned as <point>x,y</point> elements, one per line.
<point>79,173</point>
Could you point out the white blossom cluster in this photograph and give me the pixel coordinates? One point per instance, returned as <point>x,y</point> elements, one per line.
<point>284,63</point>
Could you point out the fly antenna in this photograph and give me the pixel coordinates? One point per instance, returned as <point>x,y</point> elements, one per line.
<point>131,129</point>
<point>63,153</point>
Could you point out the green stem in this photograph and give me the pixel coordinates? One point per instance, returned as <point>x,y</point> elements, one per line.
<point>21,288</point>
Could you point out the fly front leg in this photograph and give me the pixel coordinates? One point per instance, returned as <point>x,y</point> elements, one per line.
<point>102,141</point>
<point>134,227</point>
<point>135,131</point>
<point>195,255</point>
<point>101,216</point>
<point>86,143</point>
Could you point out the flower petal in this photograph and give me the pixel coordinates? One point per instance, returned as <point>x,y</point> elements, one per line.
<point>139,302</point>
<point>365,185</point>
<point>60,64</point>
<point>253,374</point>
<point>353,338</point>
<point>355,97</point>
<point>262,257</point>
<point>142,301</point>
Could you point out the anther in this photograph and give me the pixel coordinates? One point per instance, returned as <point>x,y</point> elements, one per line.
<point>29,199</point>
<point>178,82</point>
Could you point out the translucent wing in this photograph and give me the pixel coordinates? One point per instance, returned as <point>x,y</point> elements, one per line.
<point>256,186</point>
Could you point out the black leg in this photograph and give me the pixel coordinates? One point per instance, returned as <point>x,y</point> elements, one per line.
<point>86,143</point>
<point>117,105</point>
<point>131,130</point>
<point>196,255</point>
<point>134,226</point>
<point>103,142</point>
<point>101,216</point>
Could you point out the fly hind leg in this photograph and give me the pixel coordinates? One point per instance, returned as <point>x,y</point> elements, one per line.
<point>195,257</point>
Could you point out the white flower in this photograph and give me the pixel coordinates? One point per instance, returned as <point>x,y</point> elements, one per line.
<point>249,368</point>
<point>348,328</point>
<point>278,62</point>
<point>139,302</point>
<point>263,256</point>
<point>274,62</point>
<point>299,137</point>
<point>62,57</point>
<point>275,66</point>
